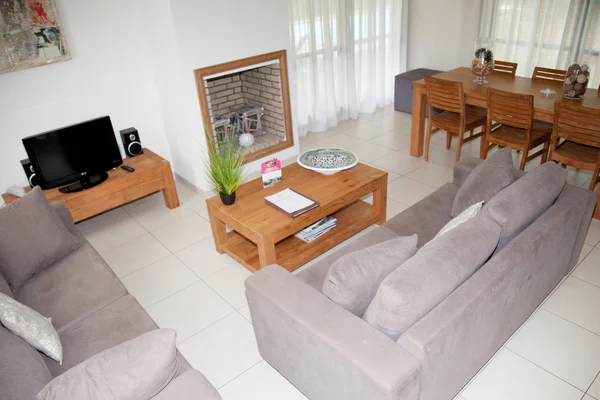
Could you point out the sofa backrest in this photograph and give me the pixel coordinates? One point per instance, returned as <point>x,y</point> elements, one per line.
<point>4,288</point>
<point>460,334</point>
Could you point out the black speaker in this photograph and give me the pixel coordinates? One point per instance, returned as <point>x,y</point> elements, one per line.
<point>131,142</point>
<point>30,172</point>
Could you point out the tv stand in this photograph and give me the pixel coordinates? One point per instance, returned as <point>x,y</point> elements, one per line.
<point>152,174</point>
<point>87,183</point>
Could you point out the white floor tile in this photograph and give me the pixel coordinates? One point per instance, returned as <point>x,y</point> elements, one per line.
<point>111,229</point>
<point>593,235</point>
<point>183,233</point>
<point>152,213</point>
<point>392,140</point>
<point>229,284</point>
<point>560,347</point>
<point>589,269</point>
<point>203,259</point>
<point>394,208</point>
<point>578,177</point>
<point>185,191</point>
<point>509,376</point>
<point>432,175</point>
<point>588,397</point>
<point>134,255</point>
<point>594,390</point>
<point>399,163</point>
<point>369,152</point>
<point>159,281</point>
<point>305,145</point>
<point>336,139</point>
<point>408,191</point>
<point>585,250</point>
<point>261,382</point>
<point>393,122</point>
<point>361,131</point>
<point>576,301</point>
<point>190,310</point>
<point>245,311</point>
<point>223,350</point>
<point>316,136</point>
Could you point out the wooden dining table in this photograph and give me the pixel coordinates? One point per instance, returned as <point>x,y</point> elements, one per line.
<point>475,94</point>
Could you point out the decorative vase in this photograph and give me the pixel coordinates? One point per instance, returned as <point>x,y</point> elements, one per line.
<point>483,62</point>
<point>576,81</point>
<point>227,199</point>
<point>246,139</point>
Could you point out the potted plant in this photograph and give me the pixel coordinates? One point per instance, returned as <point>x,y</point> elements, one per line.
<point>225,164</point>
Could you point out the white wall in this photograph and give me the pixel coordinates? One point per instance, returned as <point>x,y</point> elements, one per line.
<point>134,60</point>
<point>441,33</point>
<point>108,75</point>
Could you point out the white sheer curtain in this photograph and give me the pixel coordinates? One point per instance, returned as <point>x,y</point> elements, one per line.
<point>545,33</point>
<point>347,54</point>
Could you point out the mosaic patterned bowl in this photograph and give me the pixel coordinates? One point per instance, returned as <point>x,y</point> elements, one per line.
<point>328,160</point>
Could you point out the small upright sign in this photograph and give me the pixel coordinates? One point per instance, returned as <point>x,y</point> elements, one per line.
<point>271,172</point>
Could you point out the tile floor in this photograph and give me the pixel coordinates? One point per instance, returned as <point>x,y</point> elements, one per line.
<point>167,261</point>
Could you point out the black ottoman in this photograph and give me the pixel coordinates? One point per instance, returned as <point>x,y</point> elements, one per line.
<point>403,90</point>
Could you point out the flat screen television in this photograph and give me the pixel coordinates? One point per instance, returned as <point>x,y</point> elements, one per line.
<point>80,153</point>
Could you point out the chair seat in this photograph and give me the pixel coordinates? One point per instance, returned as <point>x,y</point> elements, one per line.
<point>577,155</point>
<point>508,135</point>
<point>450,121</point>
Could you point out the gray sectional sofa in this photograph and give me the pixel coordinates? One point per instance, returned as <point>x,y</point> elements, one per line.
<point>329,353</point>
<point>91,311</point>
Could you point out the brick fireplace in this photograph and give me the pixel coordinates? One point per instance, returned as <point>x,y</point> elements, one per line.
<point>256,87</point>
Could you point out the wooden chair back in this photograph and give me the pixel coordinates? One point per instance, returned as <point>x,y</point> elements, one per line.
<point>576,123</point>
<point>508,108</point>
<point>505,67</point>
<point>445,95</point>
<point>549,74</point>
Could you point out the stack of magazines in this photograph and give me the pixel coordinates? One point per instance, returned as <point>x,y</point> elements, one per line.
<point>317,229</point>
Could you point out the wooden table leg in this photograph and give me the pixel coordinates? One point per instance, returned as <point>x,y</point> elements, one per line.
<point>218,228</point>
<point>170,190</point>
<point>266,252</point>
<point>380,200</point>
<point>597,209</point>
<point>417,130</point>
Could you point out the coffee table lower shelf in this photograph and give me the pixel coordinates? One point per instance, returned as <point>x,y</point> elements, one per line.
<point>292,252</point>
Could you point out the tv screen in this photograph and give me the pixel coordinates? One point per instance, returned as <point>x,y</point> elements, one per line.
<point>74,152</point>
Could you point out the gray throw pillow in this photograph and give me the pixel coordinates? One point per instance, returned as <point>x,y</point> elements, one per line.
<point>517,206</point>
<point>485,181</point>
<point>32,237</point>
<point>438,268</point>
<point>137,369</point>
<point>353,279</point>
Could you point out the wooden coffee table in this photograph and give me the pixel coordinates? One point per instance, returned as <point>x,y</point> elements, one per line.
<point>262,235</point>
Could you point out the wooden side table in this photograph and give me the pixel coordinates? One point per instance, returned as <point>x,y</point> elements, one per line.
<point>152,174</point>
<point>263,235</point>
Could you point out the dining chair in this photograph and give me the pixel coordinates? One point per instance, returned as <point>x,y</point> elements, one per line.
<point>510,124</point>
<point>576,138</point>
<point>548,74</point>
<point>505,67</point>
<point>455,118</point>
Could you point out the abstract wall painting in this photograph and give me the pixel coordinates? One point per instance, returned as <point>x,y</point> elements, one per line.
<point>30,35</point>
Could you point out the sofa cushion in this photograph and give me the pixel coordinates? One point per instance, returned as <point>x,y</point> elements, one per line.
<point>122,320</point>
<point>517,206</point>
<point>23,372</point>
<point>4,288</point>
<point>443,264</point>
<point>485,181</point>
<point>31,326</point>
<point>427,217</point>
<point>315,274</point>
<point>32,237</point>
<point>72,288</point>
<point>353,279</point>
<point>470,213</point>
<point>137,369</point>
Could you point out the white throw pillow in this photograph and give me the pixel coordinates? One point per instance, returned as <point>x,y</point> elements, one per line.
<point>30,326</point>
<point>470,212</point>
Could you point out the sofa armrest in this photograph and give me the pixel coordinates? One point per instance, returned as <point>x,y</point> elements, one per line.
<point>65,215</point>
<point>325,351</point>
<point>463,168</point>
<point>191,385</point>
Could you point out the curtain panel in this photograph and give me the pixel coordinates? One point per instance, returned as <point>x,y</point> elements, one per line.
<point>545,33</point>
<point>347,53</point>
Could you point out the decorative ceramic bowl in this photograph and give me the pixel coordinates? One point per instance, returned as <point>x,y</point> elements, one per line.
<point>328,160</point>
